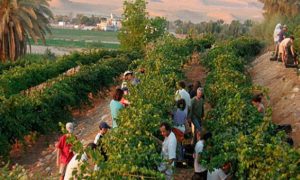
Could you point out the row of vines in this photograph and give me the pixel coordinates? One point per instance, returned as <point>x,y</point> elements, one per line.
<point>42,111</point>
<point>132,147</point>
<point>241,135</point>
<point>21,77</point>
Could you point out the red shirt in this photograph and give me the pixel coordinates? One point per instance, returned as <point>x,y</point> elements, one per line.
<point>65,149</point>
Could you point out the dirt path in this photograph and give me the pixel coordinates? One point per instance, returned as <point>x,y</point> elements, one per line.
<point>193,72</point>
<point>284,91</point>
<point>40,159</point>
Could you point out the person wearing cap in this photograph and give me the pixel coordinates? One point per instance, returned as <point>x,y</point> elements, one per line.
<point>103,128</point>
<point>64,151</point>
<point>115,106</point>
<point>129,77</point>
<point>76,162</point>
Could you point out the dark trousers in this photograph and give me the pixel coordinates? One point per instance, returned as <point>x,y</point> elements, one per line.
<point>200,176</point>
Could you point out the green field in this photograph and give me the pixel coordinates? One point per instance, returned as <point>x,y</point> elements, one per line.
<point>83,35</point>
<point>81,39</point>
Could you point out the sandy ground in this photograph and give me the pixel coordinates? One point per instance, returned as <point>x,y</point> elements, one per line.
<point>284,91</point>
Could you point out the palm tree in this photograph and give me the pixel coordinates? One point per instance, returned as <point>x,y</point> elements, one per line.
<point>19,21</point>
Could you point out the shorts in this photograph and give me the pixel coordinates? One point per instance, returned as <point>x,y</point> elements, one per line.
<point>62,169</point>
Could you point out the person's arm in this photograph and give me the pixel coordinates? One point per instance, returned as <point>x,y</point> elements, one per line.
<point>58,152</point>
<point>191,110</point>
<point>57,156</point>
<point>292,50</point>
<point>200,111</point>
<point>156,139</point>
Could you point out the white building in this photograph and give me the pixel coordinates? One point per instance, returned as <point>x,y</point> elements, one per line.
<point>110,24</point>
<point>61,23</point>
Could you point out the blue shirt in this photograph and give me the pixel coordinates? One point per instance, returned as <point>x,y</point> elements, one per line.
<point>115,107</point>
<point>179,117</point>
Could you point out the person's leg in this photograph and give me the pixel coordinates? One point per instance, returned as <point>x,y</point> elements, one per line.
<point>196,124</point>
<point>180,150</point>
<point>62,171</point>
<point>276,50</point>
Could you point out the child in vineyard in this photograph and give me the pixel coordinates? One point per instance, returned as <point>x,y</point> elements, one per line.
<point>64,151</point>
<point>103,129</point>
<point>200,171</point>
<point>116,106</point>
<point>179,116</point>
<point>179,120</point>
<point>168,150</point>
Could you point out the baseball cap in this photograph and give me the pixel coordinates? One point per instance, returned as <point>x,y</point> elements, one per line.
<point>104,125</point>
<point>127,73</point>
<point>70,127</point>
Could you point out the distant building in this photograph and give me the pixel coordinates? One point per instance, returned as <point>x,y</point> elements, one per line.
<point>110,24</point>
<point>61,23</point>
<point>89,27</point>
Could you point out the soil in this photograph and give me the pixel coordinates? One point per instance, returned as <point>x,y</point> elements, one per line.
<point>284,91</point>
<point>40,158</point>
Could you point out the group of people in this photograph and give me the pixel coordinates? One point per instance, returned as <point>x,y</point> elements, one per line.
<point>189,111</point>
<point>68,161</point>
<point>284,46</point>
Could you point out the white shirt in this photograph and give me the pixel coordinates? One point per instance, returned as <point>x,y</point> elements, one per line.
<point>168,152</point>
<point>97,138</point>
<point>74,164</point>
<point>198,149</point>
<point>217,174</point>
<point>169,147</point>
<point>184,95</point>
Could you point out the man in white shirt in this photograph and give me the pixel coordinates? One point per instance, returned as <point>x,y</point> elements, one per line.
<point>168,150</point>
<point>181,93</point>
<point>221,173</point>
<point>200,171</point>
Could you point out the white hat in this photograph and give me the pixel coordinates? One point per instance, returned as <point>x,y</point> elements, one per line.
<point>127,72</point>
<point>70,127</point>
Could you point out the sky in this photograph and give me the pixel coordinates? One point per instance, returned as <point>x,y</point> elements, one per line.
<point>193,10</point>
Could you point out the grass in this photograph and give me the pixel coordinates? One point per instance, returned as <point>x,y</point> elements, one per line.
<point>75,38</point>
<point>77,44</point>
<point>83,35</point>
